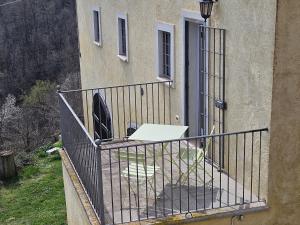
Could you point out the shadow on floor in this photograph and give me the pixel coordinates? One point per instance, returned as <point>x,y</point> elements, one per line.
<point>176,199</point>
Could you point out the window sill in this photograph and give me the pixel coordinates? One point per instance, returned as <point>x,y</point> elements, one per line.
<point>170,84</point>
<point>123,58</point>
<point>97,44</point>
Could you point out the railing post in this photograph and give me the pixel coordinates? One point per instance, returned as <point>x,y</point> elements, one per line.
<point>100,203</point>
<point>61,111</point>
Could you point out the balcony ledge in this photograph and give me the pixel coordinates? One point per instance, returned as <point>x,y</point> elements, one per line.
<point>92,219</point>
<point>214,214</point>
<point>73,186</point>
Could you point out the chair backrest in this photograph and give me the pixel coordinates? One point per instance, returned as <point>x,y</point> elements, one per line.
<point>202,152</point>
<point>131,157</point>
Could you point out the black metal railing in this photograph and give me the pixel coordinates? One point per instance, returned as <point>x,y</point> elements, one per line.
<point>212,48</point>
<point>159,179</point>
<point>150,180</point>
<point>110,112</point>
<point>84,155</point>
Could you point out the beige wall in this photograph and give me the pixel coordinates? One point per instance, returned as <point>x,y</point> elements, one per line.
<point>284,167</point>
<point>250,29</point>
<point>250,93</point>
<point>249,51</point>
<point>75,210</point>
<point>79,210</point>
<point>284,179</point>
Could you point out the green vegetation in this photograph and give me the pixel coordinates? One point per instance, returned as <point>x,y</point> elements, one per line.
<point>58,144</point>
<point>36,196</point>
<point>39,93</point>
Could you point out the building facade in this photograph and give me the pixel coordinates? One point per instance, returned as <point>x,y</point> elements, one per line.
<point>250,42</point>
<point>235,72</point>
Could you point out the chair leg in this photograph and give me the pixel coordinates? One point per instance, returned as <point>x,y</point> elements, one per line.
<point>210,183</point>
<point>135,198</point>
<point>133,191</point>
<point>154,191</point>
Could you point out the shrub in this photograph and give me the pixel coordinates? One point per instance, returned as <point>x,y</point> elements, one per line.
<point>58,144</point>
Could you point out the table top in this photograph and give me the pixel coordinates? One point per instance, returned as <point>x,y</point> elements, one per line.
<point>158,132</point>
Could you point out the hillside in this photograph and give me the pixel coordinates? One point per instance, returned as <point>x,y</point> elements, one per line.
<point>38,41</point>
<point>38,51</point>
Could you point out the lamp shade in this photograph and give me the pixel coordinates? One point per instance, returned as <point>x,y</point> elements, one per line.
<point>206,8</point>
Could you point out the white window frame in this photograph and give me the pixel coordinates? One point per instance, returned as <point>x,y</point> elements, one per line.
<point>97,9</point>
<point>170,28</point>
<point>124,17</point>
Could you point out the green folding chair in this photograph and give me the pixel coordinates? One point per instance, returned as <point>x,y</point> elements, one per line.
<point>137,171</point>
<point>192,159</point>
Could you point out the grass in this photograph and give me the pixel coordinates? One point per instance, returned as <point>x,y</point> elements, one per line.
<point>36,196</point>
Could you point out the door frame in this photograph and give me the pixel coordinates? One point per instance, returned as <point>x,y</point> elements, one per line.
<point>195,17</point>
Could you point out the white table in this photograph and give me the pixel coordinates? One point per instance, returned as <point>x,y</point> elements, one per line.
<point>158,132</point>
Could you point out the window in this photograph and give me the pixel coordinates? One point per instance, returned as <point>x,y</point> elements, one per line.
<point>165,51</point>
<point>122,37</point>
<point>97,27</point>
<point>166,57</point>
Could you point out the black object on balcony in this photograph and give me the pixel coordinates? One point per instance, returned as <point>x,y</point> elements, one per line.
<point>131,128</point>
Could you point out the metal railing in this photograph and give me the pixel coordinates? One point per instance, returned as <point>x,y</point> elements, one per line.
<point>115,109</point>
<point>83,154</point>
<point>150,180</point>
<point>187,177</point>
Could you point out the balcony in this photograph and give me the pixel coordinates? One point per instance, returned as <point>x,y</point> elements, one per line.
<point>129,181</point>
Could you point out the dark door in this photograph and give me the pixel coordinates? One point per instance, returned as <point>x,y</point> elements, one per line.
<point>101,118</point>
<point>194,80</point>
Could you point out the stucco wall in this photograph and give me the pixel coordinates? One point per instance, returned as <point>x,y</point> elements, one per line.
<point>79,210</point>
<point>285,121</point>
<point>249,51</point>
<point>250,32</point>
<point>250,45</point>
<point>250,29</point>
<point>284,167</point>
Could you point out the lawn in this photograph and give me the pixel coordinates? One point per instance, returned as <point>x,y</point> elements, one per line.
<point>36,196</point>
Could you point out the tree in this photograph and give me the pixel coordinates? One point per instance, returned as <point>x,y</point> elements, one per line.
<point>10,114</point>
<point>38,41</point>
<point>39,49</point>
<point>40,108</point>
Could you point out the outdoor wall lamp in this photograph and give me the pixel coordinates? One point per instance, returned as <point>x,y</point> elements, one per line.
<point>206,8</point>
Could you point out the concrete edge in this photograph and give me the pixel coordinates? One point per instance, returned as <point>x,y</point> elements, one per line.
<point>92,217</point>
<point>227,212</point>
<point>210,214</point>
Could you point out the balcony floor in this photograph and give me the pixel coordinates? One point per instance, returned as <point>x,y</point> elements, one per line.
<point>172,197</point>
